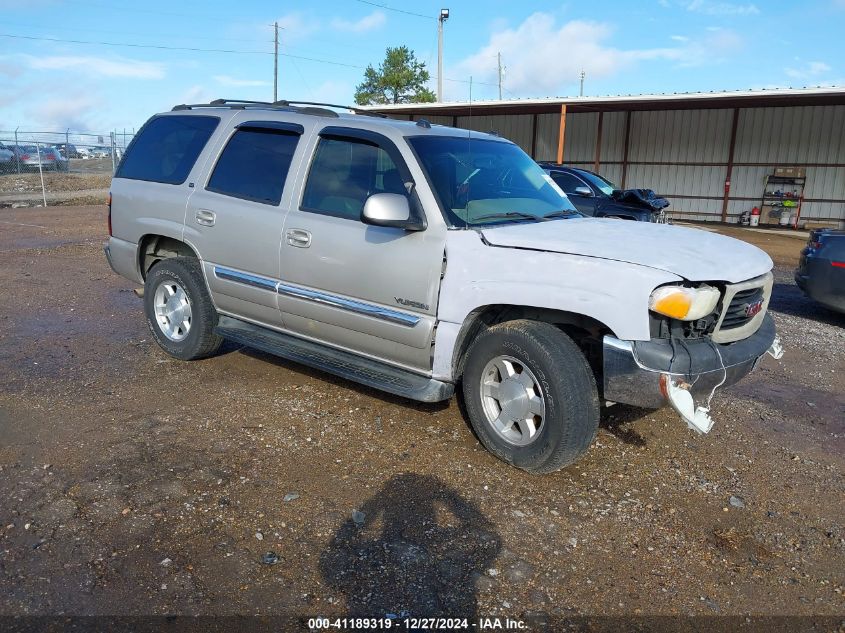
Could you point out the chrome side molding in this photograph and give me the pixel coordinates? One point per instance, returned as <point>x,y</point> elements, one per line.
<point>334,301</point>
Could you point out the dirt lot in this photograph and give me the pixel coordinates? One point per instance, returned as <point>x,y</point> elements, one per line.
<point>134,484</point>
<point>87,182</point>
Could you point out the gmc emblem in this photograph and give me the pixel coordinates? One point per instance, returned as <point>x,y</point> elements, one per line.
<point>753,308</point>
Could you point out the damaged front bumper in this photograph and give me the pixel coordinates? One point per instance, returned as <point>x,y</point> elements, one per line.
<point>683,374</point>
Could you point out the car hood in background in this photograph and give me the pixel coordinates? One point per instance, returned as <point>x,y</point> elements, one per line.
<point>693,254</point>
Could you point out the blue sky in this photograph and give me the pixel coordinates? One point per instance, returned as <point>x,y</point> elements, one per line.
<point>623,47</point>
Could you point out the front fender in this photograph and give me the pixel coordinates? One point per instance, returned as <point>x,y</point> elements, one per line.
<point>477,274</point>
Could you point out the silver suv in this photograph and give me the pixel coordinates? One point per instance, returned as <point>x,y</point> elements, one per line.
<point>418,259</point>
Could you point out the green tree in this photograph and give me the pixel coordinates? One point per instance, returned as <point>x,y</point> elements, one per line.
<point>399,79</point>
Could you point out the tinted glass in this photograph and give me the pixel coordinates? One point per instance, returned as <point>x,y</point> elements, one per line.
<point>567,181</point>
<point>600,183</point>
<point>166,148</point>
<point>254,165</point>
<point>484,182</point>
<point>344,174</point>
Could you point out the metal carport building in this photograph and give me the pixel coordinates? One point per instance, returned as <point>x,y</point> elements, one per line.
<point>709,153</point>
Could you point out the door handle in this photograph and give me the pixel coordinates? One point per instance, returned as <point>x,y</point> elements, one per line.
<point>299,238</point>
<point>205,217</point>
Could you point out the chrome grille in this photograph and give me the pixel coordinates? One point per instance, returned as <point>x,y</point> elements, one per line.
<point>736,314</point>
<point>734,322</point>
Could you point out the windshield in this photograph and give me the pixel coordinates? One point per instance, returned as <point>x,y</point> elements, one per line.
<point>481,182</point>
<point>600,183</point>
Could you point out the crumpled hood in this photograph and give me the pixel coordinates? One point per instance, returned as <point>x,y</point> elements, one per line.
<point>693,254</point>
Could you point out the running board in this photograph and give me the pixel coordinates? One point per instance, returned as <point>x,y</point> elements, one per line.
<point>365,371</point>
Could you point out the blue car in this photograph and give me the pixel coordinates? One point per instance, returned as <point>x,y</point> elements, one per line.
<point>821,270</point>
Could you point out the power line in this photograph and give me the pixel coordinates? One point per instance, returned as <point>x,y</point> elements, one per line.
<point>156,34</point>
<point>159,47</point>
<point>384,6</point>
<point>211,50</point>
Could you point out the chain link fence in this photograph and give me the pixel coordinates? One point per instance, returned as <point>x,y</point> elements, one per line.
<point>42,168</point>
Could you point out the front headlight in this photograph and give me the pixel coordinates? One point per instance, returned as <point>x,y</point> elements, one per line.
<point>686,304</point>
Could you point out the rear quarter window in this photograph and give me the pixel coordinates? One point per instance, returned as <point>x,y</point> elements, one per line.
<point>166,148</point>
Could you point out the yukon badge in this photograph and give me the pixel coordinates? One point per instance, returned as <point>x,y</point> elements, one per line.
<point>411,304</point>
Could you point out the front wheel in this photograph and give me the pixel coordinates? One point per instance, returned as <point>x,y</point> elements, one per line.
<point>530,395</point>
<point>179,311</point>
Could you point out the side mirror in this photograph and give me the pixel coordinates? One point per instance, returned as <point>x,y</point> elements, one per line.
<point>584,191</point>
<point>390,209</point>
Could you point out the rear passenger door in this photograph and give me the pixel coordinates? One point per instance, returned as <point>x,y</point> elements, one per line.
<point>365,288</point>
<point>235,217</point>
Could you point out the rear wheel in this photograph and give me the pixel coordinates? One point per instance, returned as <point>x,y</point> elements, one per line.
<point>179,311</point>
<point>530,395</point>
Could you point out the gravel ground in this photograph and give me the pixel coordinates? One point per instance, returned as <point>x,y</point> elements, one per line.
<point>134,484</point>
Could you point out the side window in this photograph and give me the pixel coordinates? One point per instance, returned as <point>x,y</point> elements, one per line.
<point>166,148</point>
<point>254,165</point>
<point>344,173</point>
<point>567,182</point>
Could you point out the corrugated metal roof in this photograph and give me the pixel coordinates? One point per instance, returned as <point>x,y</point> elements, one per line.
<point>662,101</point>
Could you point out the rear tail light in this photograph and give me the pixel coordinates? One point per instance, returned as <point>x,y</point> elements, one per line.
<point>110,233</point>
<point>24,156</point>
<point>838,264</point>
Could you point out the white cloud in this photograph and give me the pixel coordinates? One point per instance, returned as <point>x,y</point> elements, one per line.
<point>74,112</point>
<point>294,27</point>
<point>234,82</point>
<point>568,48</point>
<point>99,67</point>
<point>810,70</point>
<point>196,94</point>
<point>679,38</point>
<point>708,7</point>
<point>375,20</point>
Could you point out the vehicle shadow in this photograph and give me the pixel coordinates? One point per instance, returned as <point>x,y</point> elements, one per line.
<point>618,420</point>
<point>413,549</point>
<point>788,298</point>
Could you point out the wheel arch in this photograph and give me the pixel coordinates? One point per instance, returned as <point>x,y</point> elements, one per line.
<point>586,331</point>
<point>153,248</point>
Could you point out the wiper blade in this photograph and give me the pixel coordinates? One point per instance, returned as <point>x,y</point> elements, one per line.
<point>510,215</point>
<point>563,213</point>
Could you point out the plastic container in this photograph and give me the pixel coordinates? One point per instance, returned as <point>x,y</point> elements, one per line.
<point>755,220</point>
<point>784,217</point>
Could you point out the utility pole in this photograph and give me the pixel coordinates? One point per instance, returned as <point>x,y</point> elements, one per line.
<point>582,83</point>
<point>276,63</point>
<point>444,15</point>
<point>499,56</point>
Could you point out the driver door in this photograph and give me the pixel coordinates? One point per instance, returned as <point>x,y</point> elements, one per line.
<point>369,289</point>
<point>575,189</point>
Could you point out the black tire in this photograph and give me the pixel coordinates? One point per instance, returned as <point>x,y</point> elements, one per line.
<point>567,387</point>
<point>201,341</point>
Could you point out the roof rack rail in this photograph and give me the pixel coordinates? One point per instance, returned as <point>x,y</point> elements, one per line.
<point>333,105</point>
<point>311,107</point>
<point>242,104</point>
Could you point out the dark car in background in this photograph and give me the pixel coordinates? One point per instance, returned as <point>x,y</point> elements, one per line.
<point>821,270</point>
<point>68,150</point>
<point>596,196</point>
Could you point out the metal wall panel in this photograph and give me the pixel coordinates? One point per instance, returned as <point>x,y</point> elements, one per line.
<point>672,180</point>
<point>613,136</point>
<point>548,127</point>
<point>516,128</point>
<point>791,136</point>
<point>436,120</point>
<point>693,136</point>
<point>580,137</point>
